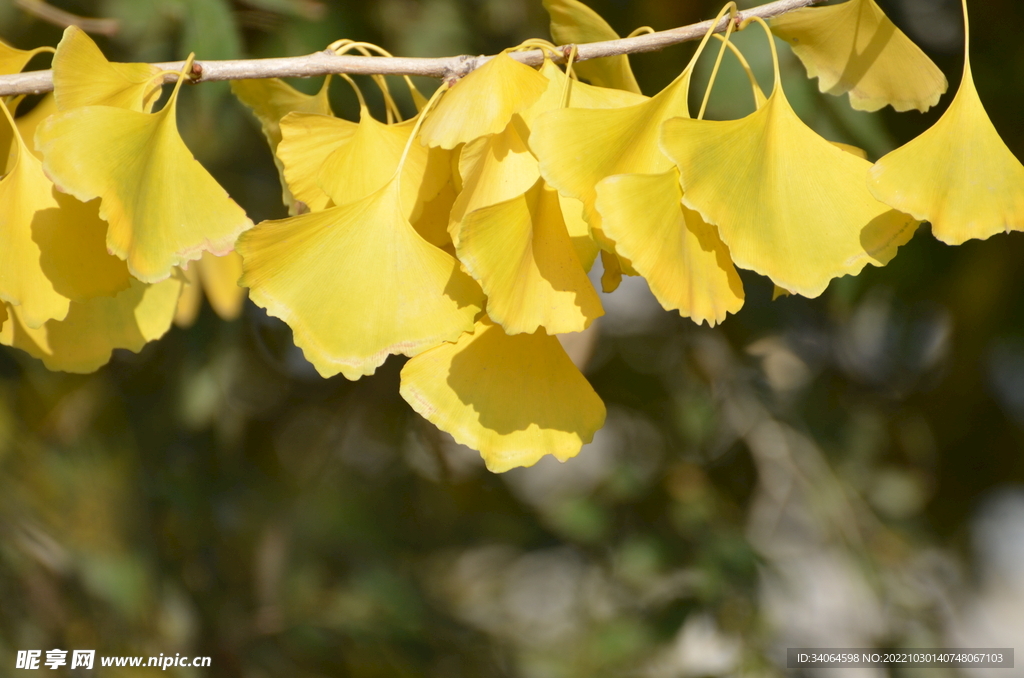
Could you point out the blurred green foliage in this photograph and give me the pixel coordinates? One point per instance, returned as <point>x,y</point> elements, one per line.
<point>805,474</point>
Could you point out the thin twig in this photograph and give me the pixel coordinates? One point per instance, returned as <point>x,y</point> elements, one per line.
<point>448,68</point>
<point>58,17</point>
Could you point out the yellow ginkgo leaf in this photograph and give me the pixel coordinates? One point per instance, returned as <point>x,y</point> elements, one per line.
<point>272,99</point>
<point>357,283</point>
<point>520,253</point>
<point>684,261</point>
<point>24,191</point>
<point>191,299</point>
<point>307,140</point>
<point>83,342</point>
<point>611,275</point>
<point>163,207</point>
<point>572,22</point>
<point>369,160</point>
<point>579,231</point>
<point>579,147</point>
<point>854,48</point>
<point>959,175</point>
<point>483,102</point>
<point>494,168</point>
<point>513,398</point>
<point>218,278</point>
<point>787,203</point>
<point>13,60</point>
<point>432,221</point>
<point>581,95</point>
<point>29,122</point>
<point>73,253</point>
<point>82,76</point>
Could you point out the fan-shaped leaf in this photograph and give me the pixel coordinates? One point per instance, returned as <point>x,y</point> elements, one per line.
<point>854,48</point>
<point>513,398</point>
<point>83,342</point>
<point>163,208</point>
<point>572,22</point>
<point>959,175</point>
<point>520,253</point>
<point>684,261</point>
<point>307,140</point>
<point>356,283</point>
<point>82,76</point>
<point>483,102</point>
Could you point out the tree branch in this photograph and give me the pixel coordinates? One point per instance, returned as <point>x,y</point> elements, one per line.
<point>58,17</point>
<point>449,68</point>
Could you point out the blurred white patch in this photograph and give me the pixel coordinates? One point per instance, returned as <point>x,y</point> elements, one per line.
<point>785,370</point>
<point>699,649</point>
<point>995,618</point>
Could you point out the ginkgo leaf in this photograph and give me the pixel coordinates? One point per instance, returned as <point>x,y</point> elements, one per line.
<point>494,168</point>
<point>787,203</point>
<point>29,122</point>
<point>513,398</point>
<point>432,221</point>
<point>13,60</point>
<point>84,341</point>
<point>191,299</point>
<point>579,231</point>
<point>686,264</point>
<point>520,253</point>
<point>307,140</point>
<point>220,276</point>
<point>572,22</point>
<point>272,99</point>
<point>24,191</point>
<point>483,102</point>
<point>578,147</point>
<point>217,277</point>
<point>356,283</point>
<point>854,48</point>
<point>581,95</point>
<point>73,253</point>
<point>82,76</point>
<point>611,275</point>
<point>369,160</point>
<point>164,209</point>
<point>958,174</point>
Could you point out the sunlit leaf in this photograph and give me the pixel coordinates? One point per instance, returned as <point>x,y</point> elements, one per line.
<point>217,277</point>
<point>494,168</point>
<point>513,398</point>
<point>483,102</point>
<point>369,159</point>
<point>24,191</point>
<point>572,22</point>
<point>272,99</point>
<point>73,252</point>
<point>82,76</point>
<point>787,203</point>
<point>959,175</point>
<point>83,342</point>
<point>520,253</point>
<point>684,261</point>
<point>13,60</point>
<point>307,140</point>
<point>579,147</point>
<point>29,122</point>
<point>163,207</point>
<point>854,48</point>
<point>356,283</point>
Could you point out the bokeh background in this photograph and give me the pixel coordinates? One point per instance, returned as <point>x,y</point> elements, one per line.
<point>845,471</point>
